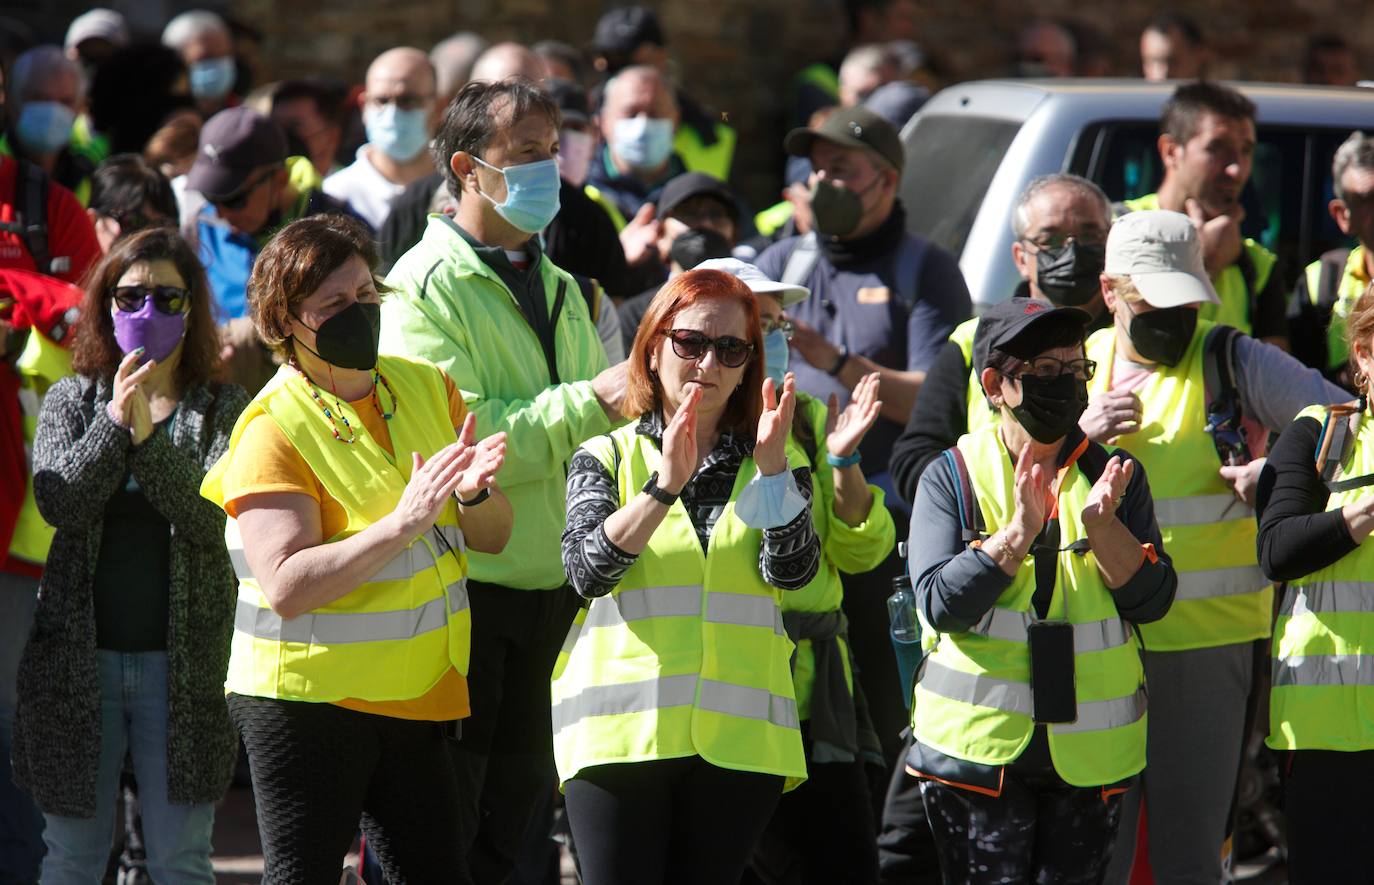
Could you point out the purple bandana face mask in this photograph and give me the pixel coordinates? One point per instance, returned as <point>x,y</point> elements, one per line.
<point>156,332</point>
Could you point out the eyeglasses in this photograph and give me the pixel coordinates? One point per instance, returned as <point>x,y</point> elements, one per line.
<point>239,198</point>
<point>170,300</point>
<point>1055,242</point>
<point>692,345</point>
<point>405,102</point>
<point>1049,368</point>
<point>783,325</point>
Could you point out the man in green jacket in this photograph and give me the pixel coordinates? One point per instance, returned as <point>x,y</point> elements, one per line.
<point>478,297</point>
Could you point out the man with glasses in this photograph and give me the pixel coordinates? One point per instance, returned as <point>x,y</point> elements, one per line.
<point>1060,222</point>
<point>1329,288</point>
<point>249,189</point>
<point>399,114</point>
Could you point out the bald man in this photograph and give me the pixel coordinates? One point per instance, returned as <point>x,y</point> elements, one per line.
<point>399,112</point>
<point>506,60</point>
<point>639,118</point>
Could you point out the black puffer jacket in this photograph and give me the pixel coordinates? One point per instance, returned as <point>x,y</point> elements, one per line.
<point>80,458</point>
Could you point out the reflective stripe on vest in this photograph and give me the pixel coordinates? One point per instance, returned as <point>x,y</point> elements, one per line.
<point>405,565</point>
<point>687,655</point>
<point>1323,649</point>
<point>675,691</point>
<point>1015,697</point>
<point>339,627</point>
<point>1222,597</point>
<point>1012,626</point>
<point>973,698</point>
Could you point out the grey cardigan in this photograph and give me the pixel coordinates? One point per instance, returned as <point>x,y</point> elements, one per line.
<point>79,459</point>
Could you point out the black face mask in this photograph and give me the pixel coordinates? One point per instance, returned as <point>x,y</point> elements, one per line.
<point>694,246</point>
<point>1070,276</point>
<point>349,338</point>
<point>1051,407</point>
<point>1162,336</point>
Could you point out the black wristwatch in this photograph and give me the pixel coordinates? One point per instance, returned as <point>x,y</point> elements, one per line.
<point>653,491</point>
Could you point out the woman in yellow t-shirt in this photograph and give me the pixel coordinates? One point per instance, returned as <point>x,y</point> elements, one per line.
<point>354,485</point>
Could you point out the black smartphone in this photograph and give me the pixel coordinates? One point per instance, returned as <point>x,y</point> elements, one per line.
<point>1054,697</point>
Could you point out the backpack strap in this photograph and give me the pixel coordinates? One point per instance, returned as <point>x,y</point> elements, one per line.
<point>1224,413</point>
<point>1338,433</point>
<point>31,185</point>
<point>591,293</point>
<point>970,519</point>
<point>806,254</point>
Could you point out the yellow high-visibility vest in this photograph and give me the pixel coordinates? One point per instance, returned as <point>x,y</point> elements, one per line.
<point>41,364</point>
<point>1322,697</point>
<point>687,655</point>
<point>1209,533</point>
<point>973,696</point>
<point>397,634</point>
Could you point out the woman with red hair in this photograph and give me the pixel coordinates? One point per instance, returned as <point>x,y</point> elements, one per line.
<point>675,725</point>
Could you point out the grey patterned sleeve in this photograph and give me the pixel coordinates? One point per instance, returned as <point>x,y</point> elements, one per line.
<point>790,555</point>
<point>594,565</point>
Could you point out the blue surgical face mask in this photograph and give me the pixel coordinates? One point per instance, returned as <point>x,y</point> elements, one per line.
<point>531,194</point>
<point>401,135</point>
<point>775,356</point>
<point>643,142</point>
<point>45,127</point>
<point>212,78</point>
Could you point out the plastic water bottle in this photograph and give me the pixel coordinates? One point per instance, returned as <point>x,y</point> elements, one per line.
<point>901,607</point>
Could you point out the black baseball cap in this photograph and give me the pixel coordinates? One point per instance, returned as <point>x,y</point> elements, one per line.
<point>621,31</point>
<point>695,184</point>
<point>852,128</point>
<point>571,99</point>
<point>233,143</point>
<point>1020,327</point>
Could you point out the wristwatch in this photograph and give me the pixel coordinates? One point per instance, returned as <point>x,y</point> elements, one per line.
<point>653,491</point>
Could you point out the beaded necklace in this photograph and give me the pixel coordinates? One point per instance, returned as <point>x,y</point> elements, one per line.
<point>329,414</point>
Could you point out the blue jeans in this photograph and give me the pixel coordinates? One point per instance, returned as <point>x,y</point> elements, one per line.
<point>21,825</point>
<point>133,705</point>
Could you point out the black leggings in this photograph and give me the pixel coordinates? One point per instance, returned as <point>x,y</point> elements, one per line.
<point>668,822</point>
<point>1326,798</point>
<point>319,768</point>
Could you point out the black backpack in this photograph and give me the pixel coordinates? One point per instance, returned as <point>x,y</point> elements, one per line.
<point>31,190</point>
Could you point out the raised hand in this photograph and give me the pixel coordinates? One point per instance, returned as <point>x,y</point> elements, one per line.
<point>813,346</point>
<point>1105,496</point>
<point>1110,415</point>
<point>488,456</point>
<point>431,483</point>
<point>1032,493</point>
<point>129,402</point>
<point>1219,235</point>
<point>845,430</point>
<point>680,445</point>
<point>775,423</point>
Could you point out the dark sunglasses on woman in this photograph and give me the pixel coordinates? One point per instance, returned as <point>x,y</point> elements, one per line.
<point>170,300</point>
<point>692,345</point>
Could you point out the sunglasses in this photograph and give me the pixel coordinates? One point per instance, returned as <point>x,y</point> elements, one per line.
<point>783,325</point>
<point>690,344</point>
<point>239,198</point>
<point>170,300</point>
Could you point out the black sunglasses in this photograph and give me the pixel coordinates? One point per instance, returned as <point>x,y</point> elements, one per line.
<point>239,198</point>
<point>170,300</point>
<point>692,345</point>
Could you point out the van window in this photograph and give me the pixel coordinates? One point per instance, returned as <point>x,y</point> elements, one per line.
<point>950,160</point>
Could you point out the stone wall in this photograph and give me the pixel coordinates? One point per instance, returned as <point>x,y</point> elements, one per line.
<point>738,55</point>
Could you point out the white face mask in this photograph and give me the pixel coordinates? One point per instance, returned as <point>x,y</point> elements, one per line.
<point>575,151</point>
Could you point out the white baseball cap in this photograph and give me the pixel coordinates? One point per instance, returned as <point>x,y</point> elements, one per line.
<point>756,279</point>
<point>1160,251</point>
<point>105,24</point>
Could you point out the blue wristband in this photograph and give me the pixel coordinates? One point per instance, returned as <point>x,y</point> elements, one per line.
<point>835,461</point>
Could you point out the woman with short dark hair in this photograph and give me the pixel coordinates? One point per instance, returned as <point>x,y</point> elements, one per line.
<point>128,195</point>
<point>355,487</point>
<point>131,632</point>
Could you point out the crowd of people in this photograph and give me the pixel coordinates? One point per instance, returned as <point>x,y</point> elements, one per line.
<point>463,449</point>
